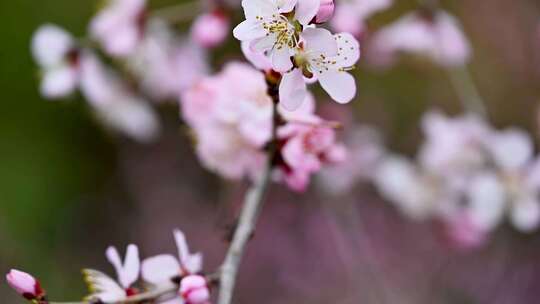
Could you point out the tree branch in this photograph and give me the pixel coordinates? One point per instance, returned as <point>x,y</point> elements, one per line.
<point>253,203</point>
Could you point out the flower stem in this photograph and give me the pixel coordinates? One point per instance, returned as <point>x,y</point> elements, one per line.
<point>139,298</point>
<point>253,203</point>
<point>466,89</point>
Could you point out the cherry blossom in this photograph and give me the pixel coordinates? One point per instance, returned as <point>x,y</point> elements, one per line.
<point>119,26</point>
<point>351,15</point>
<point>166,65</point>
<point>54,50</point>
<point>326,57</point>
<point>162,269</point>
<point>268,28</point>
<point>210,29</point>
<point>114,103</point>
<point>25,285</point>
<point>306,145</point>
<point>106,289</point>
<point>438,36</point>
<point>326,11</point>
<point>194,289</point>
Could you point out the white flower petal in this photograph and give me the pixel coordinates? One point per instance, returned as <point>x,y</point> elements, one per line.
<point>263,44</point>
<point>132,266</point>
<point>348,49</point>
<point>486,200</point>
<point>103,287</point>
<point>190,262</point>
<point>525,214</point>
<point>281,59</point>
<point>340,85</point>
<point>306,10</point>
<point>58,82</point>
<point>160,269</point>
<point>248,30</point>
<point>320,41</point>
<point>511,148</point>
<point>292,90</point>
<point>50,44</point>
<point>259,60</point>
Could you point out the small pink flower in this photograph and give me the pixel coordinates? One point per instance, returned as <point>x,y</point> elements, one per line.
<point>194,289</point>
<point>25,285</point>
<point>438,37</point>
<point>210,29</point>
<point>119,26</point>
<point>306,147</point>
<point>326,11</point>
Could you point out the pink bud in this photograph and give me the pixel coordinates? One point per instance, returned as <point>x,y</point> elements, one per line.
<point>25,284</point>
<point>326,11</point>
<point>194,290</point>
<point>210,29</point>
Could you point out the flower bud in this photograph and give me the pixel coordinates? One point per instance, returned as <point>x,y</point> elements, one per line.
<point>326,11</point>
<point>210,29</point>
<point>25,285</point>
<point>194,289</point>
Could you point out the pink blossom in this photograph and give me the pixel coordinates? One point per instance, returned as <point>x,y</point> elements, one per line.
<point>351,16</point>
<point>364,151</point>
<point>326,11</point>
<point>118,27</point>
<point>25,284</point>
<point>114,103</point>
<point>194,289</point>
<point>161,269</point>
<point>167,65</point>
<point>438,37</point>
<point>230,114</point>
<point>210,29</point>
<point>104,288</point>
<point>306,147</point>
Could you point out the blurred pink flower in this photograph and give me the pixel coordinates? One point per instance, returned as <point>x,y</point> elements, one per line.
<point>519,171</point>
<point>210,29</point>
<point>326,11</point>
<point>119,26</point>
<point>463,233</point>
<point>54,50</point>
<point>453,145</point>
<point>105,289</point>
<point>162,269</point>
<point>165,64</point>
<point>25,284</point>
<point>231,116</point>
<point>438,37</point>
<point>194,289</point>
<point>351,16</point>
<point>364,151</point>
<point>114,103</point>
<point>306,147</point>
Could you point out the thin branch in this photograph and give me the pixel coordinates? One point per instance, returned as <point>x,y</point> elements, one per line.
<point>253,203</point>
<point>466,89</point>
<point>149,295</point>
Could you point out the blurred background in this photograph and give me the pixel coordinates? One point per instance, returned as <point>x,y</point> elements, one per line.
<point>69,188</point>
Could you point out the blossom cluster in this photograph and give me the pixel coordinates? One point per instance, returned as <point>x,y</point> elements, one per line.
<point>175,280</point>
<point>468,175</point>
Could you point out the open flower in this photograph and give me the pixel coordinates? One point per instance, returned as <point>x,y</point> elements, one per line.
<point>119,26</point>
<point>328,58</point>
<point>271,26</point>
<point>104,288</point>
<point>25,285</point>
<point>54,50</point>
<point>307,143</point>
<point>163,269</point>
<point>519,172</point>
